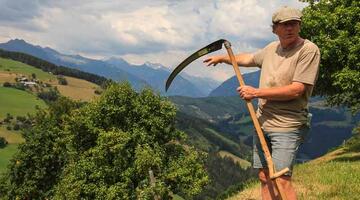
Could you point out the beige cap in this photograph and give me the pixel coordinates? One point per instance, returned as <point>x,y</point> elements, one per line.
<point>286,14</point>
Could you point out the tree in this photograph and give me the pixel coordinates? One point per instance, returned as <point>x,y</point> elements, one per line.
<point>334,25</point>
<point>36,167</point>
<point>118,139</point>
<point>105,150</point>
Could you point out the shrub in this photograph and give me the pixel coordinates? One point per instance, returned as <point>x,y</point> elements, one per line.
<point>3,142</point>
<point>7,84</point>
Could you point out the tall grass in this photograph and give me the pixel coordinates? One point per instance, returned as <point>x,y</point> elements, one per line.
<point>335,176</point>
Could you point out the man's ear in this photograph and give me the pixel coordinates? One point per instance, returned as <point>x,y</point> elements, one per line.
<point>273,28</point>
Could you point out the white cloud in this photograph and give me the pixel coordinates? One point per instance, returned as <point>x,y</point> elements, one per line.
<point>158,31</point>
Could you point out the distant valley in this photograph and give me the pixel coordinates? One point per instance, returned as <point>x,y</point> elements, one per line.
<point>218,124</point>
<point>117,69</point>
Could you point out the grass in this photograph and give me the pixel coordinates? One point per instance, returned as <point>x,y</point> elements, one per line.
<point>14,67</point>
<point>17,102</point>
<point>5,156</point>
<point>243,163</point>
<point>335,176</point>
<point>78,89</point>
<point>177,197</point>
<point>12,137</point>
<point>10,69</point>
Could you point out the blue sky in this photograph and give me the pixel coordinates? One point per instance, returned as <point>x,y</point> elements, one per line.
<point>158,31</point>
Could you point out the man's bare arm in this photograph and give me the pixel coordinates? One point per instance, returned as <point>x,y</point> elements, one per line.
<point>242,59</point>
<point>283,93</point>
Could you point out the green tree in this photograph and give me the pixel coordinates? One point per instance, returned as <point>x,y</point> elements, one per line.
<point>117,139</point>
<point>36,167</point>
<point>105,150</point>
<point>334,25</point>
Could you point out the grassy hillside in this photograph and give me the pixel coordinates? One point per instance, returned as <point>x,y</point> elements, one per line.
<point>76,88</point>
<point>5,156</point>
<point>13,138</point>
<point>212,109</point>
<point>20,103</point>
<point>17,102</point>
<point>11,67</point>
<point>243,163</point>
<point>333,176</point>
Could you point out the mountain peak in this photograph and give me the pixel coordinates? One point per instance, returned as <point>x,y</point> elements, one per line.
<point>116,61</point>
<point>17,42</point>
<point>156,66</point>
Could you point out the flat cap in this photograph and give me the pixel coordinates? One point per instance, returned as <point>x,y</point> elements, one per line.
<point>286,14</point>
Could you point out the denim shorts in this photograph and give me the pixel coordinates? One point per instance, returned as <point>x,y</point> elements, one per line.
<point>283,147</point>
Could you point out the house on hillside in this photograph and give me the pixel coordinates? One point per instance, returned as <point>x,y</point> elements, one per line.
<point>23,79</point>
<point>28,83</point>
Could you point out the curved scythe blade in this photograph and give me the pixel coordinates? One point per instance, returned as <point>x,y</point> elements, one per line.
<point>206,50</point>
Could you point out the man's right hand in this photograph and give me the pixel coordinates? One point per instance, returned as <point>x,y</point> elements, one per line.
<point>214,60</point>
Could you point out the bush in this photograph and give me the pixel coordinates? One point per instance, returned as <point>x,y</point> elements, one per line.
<point>7,84</point>
<point>62,80</point>
<point>49,96</point>
<point>3,142</point>
<point>98,91</point>
<point>8,118</point>
<point>16,127</point>
<point>20,118</point>
<point>19,86</point>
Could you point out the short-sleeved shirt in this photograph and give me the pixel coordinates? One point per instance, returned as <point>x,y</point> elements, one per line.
<point>280,67</point>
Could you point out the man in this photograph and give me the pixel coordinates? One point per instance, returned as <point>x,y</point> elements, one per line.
<point>289,69</point>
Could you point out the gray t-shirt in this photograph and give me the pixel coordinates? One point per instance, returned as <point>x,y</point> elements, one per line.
<point>280,67</point>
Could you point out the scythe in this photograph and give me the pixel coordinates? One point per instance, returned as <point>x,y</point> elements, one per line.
<point>217,45</point>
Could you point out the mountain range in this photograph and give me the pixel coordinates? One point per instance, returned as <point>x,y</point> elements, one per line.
<point>139,76</point>
<point>228,88</point>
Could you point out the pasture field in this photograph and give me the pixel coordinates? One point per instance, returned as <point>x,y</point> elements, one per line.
<point>18,102</point>
<point>5,156</point>
<point>11,67</point>
<point>78,89</point>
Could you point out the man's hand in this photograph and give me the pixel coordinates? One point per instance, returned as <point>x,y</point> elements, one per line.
<point>214,60</point>
<point>247,92</point>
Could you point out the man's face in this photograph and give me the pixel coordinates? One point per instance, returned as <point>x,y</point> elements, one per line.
<point>287,31</point>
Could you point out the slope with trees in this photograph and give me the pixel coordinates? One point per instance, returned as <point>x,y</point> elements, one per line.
<point>105,149</point>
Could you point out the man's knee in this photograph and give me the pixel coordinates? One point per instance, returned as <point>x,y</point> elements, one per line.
<point>264,176</point>
<point>285,180</point>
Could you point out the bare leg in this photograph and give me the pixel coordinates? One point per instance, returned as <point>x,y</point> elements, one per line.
<point>268,191</point>
<point>268,188</point>
<point>285,182</point>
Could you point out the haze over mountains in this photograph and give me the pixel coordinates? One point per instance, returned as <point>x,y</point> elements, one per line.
<point>139,76</point>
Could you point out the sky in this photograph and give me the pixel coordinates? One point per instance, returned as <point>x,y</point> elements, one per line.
<point>139,31</point>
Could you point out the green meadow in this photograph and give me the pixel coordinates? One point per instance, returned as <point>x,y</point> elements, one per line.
<point>5,156</point>
<point>17,102</point>
<point>11,66</point>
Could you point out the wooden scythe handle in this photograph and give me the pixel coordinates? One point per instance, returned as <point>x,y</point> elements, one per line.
<point>273,175</point>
